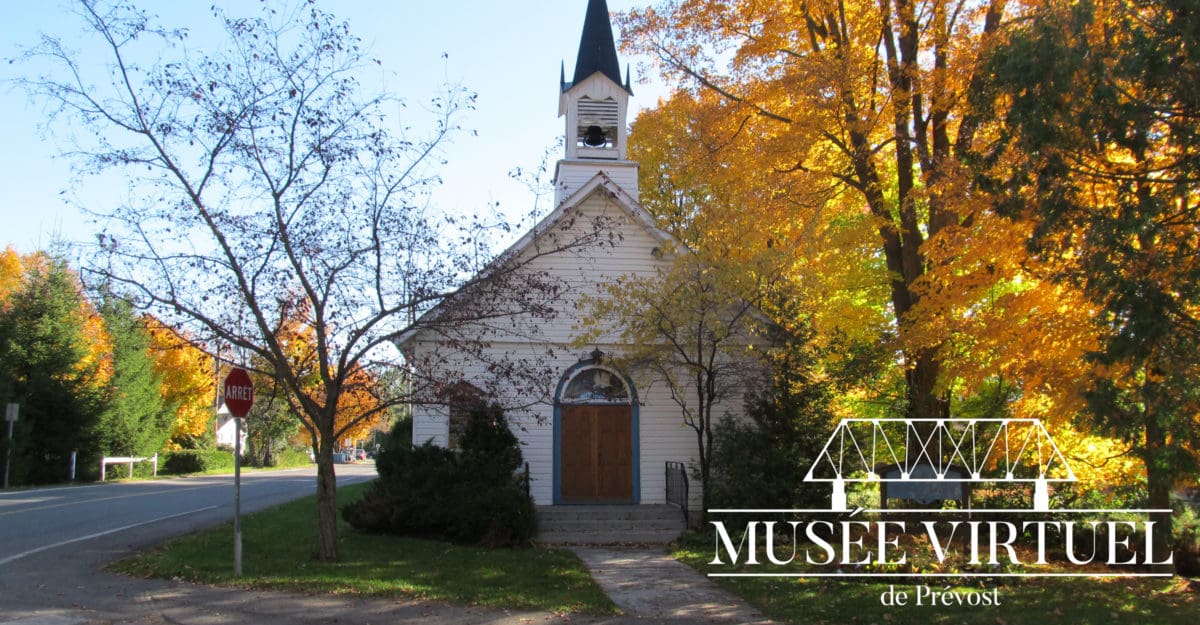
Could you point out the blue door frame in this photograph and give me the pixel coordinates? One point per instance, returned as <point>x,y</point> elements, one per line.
<point>594,362</point>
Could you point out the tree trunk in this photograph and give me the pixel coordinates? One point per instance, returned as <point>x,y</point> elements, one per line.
<point>704,469</point>
<point>326,502</point>
<point>1158,487</point>
<point>702,433</point>
<point>923,400</point>
<point>901,246</point>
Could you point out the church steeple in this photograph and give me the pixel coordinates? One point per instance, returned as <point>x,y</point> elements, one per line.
<point>597,49</point>
<point>596,105</point>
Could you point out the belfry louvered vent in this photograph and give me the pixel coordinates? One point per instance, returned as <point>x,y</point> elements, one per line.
<point>597,112</point>
<point>597,128</point>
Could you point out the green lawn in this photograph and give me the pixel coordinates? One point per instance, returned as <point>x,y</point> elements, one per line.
<point>278,547</point>
<point>1041,601</point>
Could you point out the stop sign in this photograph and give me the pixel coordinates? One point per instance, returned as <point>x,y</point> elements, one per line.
<point>239,393</point>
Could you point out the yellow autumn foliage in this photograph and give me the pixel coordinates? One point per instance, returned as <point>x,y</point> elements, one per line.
<point>798,132</point>
<point>187,379</point>
<point>11,273</point>
<point>994,314</point>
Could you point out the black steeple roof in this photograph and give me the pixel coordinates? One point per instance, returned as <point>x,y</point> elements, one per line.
<point>597,50</point>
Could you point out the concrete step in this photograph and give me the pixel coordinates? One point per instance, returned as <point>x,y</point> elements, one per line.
<point>608,513</point>
<point>609,525</point>
<point>617,525</point>
<point>608,538</point>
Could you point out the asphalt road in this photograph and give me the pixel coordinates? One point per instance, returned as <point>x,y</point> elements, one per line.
<point>54,544</point>
<point>35,523</point>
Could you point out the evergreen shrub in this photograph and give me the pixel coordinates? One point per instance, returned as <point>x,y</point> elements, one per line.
<point>759,462</point>
<point>471,495</point>
<point>195,461</point>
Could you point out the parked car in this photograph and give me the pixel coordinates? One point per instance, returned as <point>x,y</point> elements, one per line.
<point>360,454</point>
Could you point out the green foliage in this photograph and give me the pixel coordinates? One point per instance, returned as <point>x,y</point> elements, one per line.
<point>756,462</point>
<point>1112,495</point>
<point>207,440</point>
<point>467,496</point>
<point>1186,543</point>
<point>269,425</point>
<point>291,457</point>
<point>46,367</point>
<point>1100,149</point>
<point>393,454</point>
<point>488,442</point>
<point>993,401</point>
<point>196,461</point>
<point>136,421</point>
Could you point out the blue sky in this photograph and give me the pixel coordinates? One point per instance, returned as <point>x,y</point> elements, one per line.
<point>509,53</point>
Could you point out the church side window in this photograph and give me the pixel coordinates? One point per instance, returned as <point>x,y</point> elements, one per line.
<point>461,399</point>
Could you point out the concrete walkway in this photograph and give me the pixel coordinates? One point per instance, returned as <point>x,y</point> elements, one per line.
<point>649,584</point>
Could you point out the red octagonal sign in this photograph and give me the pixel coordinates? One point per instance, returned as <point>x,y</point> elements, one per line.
<point>239,393</point>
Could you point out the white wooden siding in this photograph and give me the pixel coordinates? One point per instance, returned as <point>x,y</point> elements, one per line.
<point>571,174</point>
<point>662,434</point>
<point>431,423</point>
<point>583,271</point>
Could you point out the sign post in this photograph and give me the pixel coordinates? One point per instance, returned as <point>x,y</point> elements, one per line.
<point>239,397</point>
<point>10,415</point>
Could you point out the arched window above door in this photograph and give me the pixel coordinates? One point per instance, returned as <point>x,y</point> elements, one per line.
<point>592,385</point>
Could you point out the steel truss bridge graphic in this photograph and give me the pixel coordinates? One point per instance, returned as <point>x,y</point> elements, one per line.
<point>940,451</point>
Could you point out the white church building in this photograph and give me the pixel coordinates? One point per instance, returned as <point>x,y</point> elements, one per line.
<point>602,435</point>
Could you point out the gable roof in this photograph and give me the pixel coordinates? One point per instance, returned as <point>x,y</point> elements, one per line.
<point>599,183</point>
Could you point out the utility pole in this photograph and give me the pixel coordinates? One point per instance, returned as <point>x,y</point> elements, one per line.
<point>10,415</point>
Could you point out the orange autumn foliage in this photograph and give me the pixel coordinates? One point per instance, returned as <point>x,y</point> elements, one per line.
<point>358,405</point>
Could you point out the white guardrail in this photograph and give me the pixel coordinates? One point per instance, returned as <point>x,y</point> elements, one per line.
<point>104,462</point>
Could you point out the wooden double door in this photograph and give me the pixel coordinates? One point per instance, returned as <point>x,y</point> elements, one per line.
<point>597,454</point>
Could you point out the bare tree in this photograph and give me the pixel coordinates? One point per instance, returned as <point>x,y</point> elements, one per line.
<point>692,327</point>
<point>265,181</point>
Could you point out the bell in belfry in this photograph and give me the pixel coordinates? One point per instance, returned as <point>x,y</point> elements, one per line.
<point>595,137</point>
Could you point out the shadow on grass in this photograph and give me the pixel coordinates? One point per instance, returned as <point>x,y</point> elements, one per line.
<point>278,547</point>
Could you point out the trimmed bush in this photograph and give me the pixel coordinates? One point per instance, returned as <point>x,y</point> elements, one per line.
<point>467,496</point>
<point>291,457</point>
<point>196,461</point>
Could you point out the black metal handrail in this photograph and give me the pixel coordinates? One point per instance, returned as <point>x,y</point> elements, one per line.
<point>525,479</point>
<point>677,488</point>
